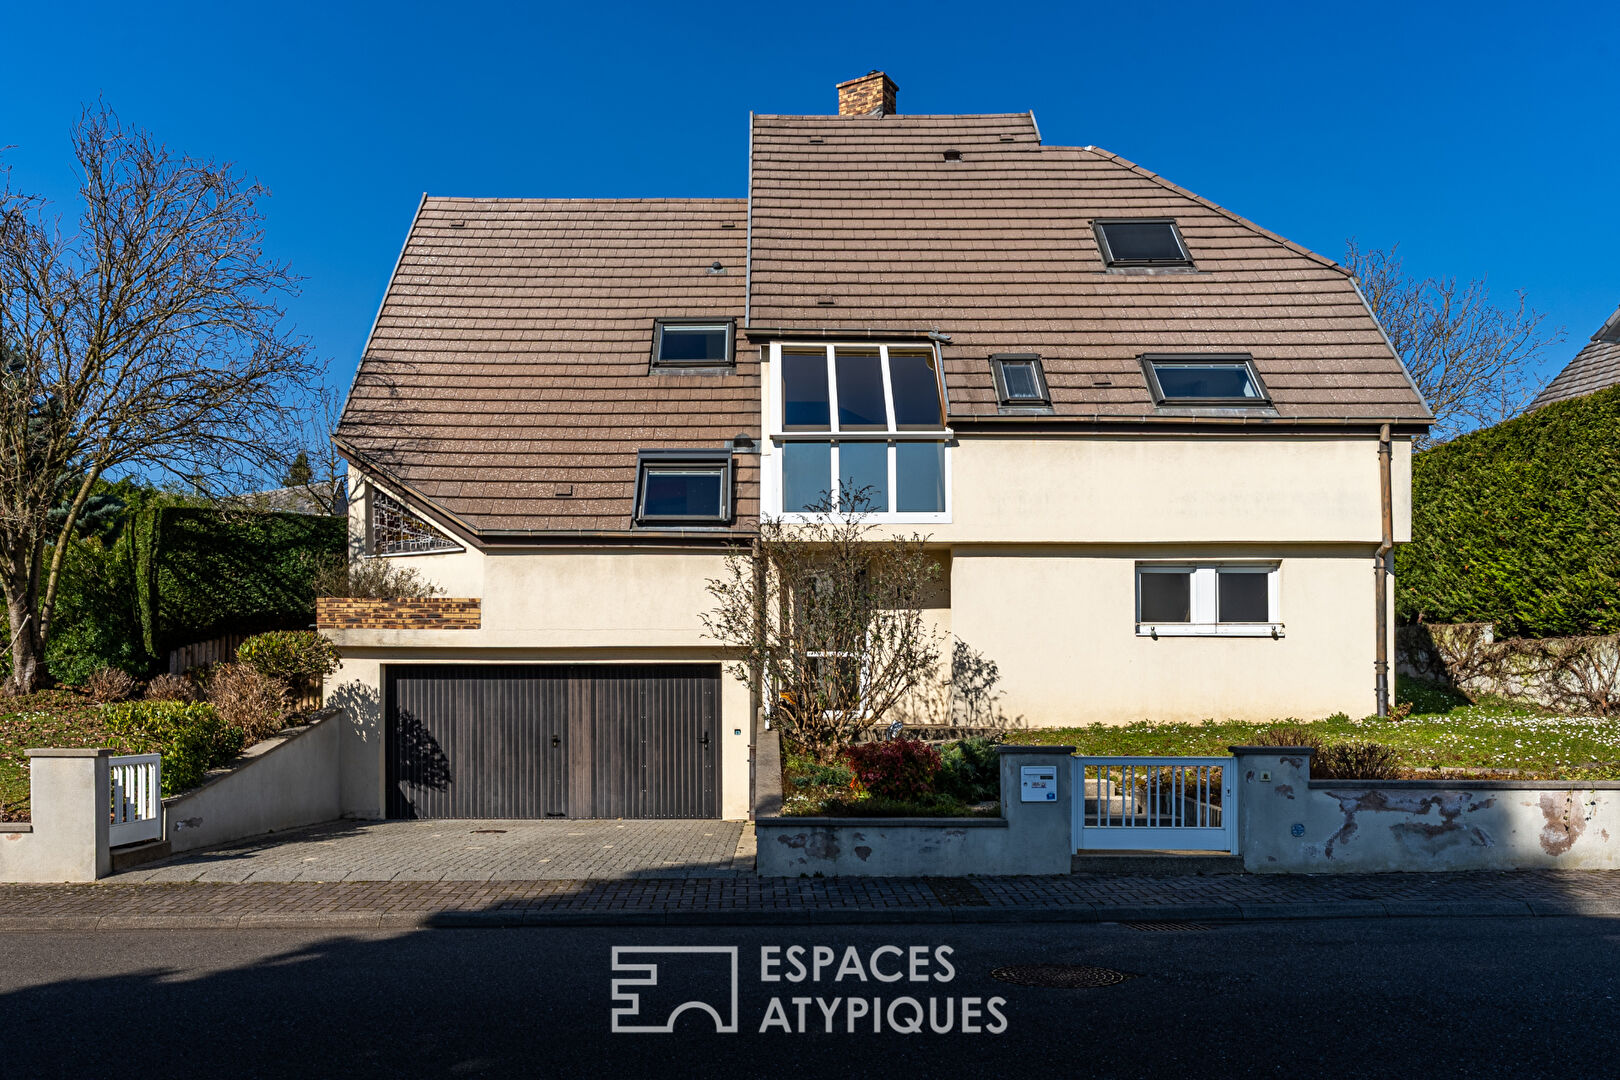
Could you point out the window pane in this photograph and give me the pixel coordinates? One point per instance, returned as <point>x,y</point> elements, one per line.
<point>863,477</point>
<point>804,390</point>
<point>916,388</point>
<point>693,344</point>
<point>806,476</point>
<point>1243,596</point>
<point>860,389</point>
<point>1166,596</point>
<point>1194,380</point>
<point>683,492</point>
<point>919,469</point>
<point>1019,378</point>
<point>1142,241</point>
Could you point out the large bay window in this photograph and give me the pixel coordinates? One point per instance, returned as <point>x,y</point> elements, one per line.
<point>859,429</point>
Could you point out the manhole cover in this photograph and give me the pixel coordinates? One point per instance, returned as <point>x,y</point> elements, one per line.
<point>476,831</point>
<point>1168,927</point>
<point>1059,976</point>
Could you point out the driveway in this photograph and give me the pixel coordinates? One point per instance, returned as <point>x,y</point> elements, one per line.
<point>470,851</point>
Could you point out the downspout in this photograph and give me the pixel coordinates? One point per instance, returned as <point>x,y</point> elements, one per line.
<point>1382,572</point>
<point>756,699</point>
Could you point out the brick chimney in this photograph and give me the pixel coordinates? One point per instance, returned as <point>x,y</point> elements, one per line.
<point>872,94</point>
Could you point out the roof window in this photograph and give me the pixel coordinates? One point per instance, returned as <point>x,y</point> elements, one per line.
<point>692,343</point>
<point>1019,379</point>
<point>683,487</point>
<point>1204,380</point>
<point>1142,242</point>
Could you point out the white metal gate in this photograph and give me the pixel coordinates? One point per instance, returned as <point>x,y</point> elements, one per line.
<point>1155,804</point>
<point>137,803</point>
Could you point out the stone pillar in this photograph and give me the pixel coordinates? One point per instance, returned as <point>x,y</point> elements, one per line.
<point>1042,832</point>
<point>71,799</point>
<point>1273,786</point>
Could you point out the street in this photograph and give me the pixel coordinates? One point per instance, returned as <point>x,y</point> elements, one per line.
<point>1404,997</point>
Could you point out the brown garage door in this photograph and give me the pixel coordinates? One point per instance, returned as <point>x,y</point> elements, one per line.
<point>553,740</point>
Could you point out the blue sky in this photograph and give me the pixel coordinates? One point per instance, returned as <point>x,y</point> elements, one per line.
<point>1480,136</point>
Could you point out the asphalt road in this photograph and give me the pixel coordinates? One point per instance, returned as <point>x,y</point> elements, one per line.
<point>1391,997</point>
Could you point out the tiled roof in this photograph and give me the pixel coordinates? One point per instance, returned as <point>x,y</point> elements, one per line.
<point>997,250</point>
<point>511,358</point>
<point>1595,367</point>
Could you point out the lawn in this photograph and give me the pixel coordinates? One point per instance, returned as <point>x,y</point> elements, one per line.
<point>1444,730</point>
<point>48,718</point>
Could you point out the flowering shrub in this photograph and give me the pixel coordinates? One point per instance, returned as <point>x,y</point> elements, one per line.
<point>898,769</point>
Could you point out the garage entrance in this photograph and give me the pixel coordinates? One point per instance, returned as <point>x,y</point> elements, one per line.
<point>552,740</point>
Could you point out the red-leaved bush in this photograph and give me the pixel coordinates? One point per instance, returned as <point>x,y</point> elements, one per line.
<point>900,769</point>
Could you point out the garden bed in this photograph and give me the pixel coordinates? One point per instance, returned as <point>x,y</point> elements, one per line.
<point>968,785</point>
<point>1444,735</point>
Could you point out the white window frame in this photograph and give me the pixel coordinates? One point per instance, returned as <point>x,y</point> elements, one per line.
<point>771,478</point>
<point>1203,601</point>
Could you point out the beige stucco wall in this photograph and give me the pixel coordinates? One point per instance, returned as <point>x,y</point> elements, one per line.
<point>1165,489</point>
<point>1060,623</point>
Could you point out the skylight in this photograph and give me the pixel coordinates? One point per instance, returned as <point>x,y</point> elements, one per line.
<point>1142,242</point>
<point>1204,380</point>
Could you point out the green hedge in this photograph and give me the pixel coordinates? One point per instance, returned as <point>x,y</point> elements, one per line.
<point>1519,525</point>
<point>201,572</point>
<point>191,736</point>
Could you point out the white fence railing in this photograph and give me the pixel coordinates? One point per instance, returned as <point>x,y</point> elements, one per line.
<point>137,802</point>
<point>1155,804</point>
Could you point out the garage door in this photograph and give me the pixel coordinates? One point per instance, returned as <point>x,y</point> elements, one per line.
<point>553,740</point>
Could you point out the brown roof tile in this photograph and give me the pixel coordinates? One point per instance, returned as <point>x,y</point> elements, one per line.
<point>997,250</point>
<point>512,354</point>
<point>1595,367</point>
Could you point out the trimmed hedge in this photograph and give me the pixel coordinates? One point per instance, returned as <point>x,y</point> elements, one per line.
<point>1519,525</point>
<point>191,736</point>
<point>200,571</point>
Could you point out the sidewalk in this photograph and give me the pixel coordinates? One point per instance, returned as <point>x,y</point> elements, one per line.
<point>787,901</point>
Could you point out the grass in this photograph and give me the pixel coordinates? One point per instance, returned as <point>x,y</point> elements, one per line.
<point>49,718</point>
<point>1444,730</point>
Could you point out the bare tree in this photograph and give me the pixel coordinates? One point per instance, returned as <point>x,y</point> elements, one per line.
<point>1474,361</point>
<point>148,340</point>
<point>828,620</point>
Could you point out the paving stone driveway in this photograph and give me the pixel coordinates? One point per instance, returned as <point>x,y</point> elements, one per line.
<point>470,851</point>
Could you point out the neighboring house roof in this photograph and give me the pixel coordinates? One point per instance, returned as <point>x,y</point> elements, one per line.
<point>507,381</point>
<point>303,499</point>
<point>997,250</point>
<point>1595,367</point>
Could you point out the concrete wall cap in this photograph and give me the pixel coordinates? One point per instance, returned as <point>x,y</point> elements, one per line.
<point>54,751</point>
<point>1291,751</point>
<point>881,822</point>
<point>1010,748</point>
<point>15,826</point>
<point>1468,785</point>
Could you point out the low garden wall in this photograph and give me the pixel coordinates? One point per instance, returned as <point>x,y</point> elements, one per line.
<point>1289,823</point>
<point>1028,837</point>
<point>281,783</point>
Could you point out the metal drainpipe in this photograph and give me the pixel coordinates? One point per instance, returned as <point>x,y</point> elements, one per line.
<point>756,700</point>
<point>1382,572</point>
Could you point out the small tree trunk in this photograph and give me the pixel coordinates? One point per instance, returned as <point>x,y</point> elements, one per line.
<point>27,650</point>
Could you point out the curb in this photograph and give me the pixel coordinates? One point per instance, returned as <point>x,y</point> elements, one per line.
<point>966,916</point>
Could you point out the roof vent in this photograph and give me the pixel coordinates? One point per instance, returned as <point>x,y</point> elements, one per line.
<point>953,155</point>
<point>458,224</point>
<point>817,139</point>
<point>717,267</point>
<point>873,94</point>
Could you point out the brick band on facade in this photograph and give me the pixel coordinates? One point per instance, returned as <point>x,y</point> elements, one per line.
<point>423,613</point>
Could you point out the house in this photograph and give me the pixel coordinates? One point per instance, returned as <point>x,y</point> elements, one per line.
<point>1158,449</point>
<point>1594,368</point>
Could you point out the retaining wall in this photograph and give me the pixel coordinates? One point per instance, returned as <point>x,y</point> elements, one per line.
<point>1289,823</point>
<point>1028,837</point>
